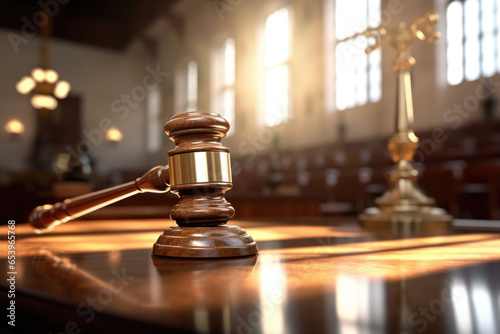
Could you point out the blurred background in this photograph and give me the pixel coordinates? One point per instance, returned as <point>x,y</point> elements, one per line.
<point>86,88</point>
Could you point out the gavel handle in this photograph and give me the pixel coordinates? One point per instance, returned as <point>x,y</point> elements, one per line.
<point>45,217</point>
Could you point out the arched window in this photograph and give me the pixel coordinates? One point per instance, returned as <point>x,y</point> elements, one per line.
<point>186,88</point>
<point>473,39</point>
<point>277,67</point>
<point>353,77</point>
<point>223,79</point>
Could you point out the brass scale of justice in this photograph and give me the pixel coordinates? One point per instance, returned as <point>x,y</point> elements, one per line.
<point>199,172</point>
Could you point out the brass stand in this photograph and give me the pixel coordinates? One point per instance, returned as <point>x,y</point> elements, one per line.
<point>404,204</point>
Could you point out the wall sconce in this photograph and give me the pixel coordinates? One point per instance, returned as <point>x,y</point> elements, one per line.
<point>14,127</point>
<point>114,135</point>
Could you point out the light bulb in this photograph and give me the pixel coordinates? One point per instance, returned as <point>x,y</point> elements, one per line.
<point>62,89</point>
<point>51,76</point>
<point>25,85</point>
<point>114,135</point>
<point>39,101</point>
<point>62,162</point>
<point>38,74</point>
<point>14,127</point>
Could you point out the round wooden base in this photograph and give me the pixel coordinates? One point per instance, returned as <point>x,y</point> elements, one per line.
<point>425,220</point>
<point>205,242</point>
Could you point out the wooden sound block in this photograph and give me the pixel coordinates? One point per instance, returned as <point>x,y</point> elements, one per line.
<point>205,242</point>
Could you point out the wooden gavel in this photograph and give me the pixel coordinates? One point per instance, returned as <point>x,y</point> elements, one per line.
<point>198,172</point>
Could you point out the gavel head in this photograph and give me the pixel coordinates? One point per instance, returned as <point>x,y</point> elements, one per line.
<point>200,169</point>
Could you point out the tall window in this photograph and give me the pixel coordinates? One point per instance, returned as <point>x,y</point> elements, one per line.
<point>277,67</point>
<point>154,135</point>
<point>192,86</point>
<point>186,88</point>
<point>223,82</point>
<point>357,76</point>
<point>473,37</point>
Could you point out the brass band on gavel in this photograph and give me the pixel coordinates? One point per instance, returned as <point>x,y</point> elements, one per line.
<point>199,167</point>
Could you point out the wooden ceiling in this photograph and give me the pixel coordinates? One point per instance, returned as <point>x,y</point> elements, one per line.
<point>106,23</point>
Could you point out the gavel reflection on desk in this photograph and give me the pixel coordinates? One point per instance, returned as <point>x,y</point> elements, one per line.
<point>198,172</point>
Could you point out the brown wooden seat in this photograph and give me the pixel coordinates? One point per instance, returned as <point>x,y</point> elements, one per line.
<point>375,186</point>
<point>444,185</point>
<point>480,191</point>
<point>488,146</point>
<point>454,148</point>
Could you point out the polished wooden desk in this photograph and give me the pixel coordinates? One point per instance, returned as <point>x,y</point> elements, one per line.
<point>311,276</point>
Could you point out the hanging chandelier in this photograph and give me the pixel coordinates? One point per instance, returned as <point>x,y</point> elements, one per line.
<point>44,83</point>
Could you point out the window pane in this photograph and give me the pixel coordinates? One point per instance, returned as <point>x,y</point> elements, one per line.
<point>498,49</point>
<point>222,82</point>
<point>497,20</point>
<point>361,78</point>
<point>455,71</point>
<point>277,38</point>
<point>472,69</point>
<point>488,65</point>
<point>276,95</point>
<point>375,59</point>
<point>454,26</point>
<point>342,27</point>
<point>192,86</point>
<point>329,54</point>
<point>276,77</point>
<point>154,126</point>
<point>345,84</point>
<point>374,17</point>
<point>228,107</point>
<point>471,8</point>
<point>351,17</point>
<point>358,76</point>
<point>488,53</point>
<point>454,36</point>
<point>487,16</point>
<point>472,47</point>
<point>180,90</point>
<point>359,18</point>
<point>224,93</point>
<point>229,62</point>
